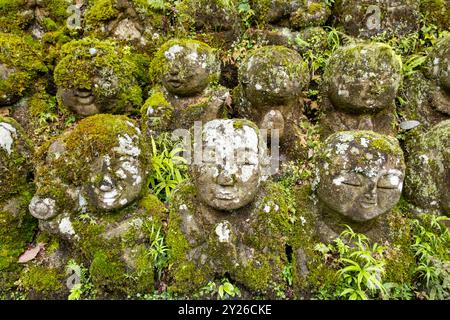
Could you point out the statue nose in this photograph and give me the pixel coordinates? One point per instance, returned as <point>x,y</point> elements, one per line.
<point>106,184</point>
<point>371,192</point>
<point>225,179</point>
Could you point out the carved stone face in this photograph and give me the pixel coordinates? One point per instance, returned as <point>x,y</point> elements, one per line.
<point>187,71</point>
<point>362,177</point>
<point>363,78</point>
<point>272,75</point>
<point>97,165</point>
<point>88,102</point>
<point>116,182</point>
<point>232,168</point>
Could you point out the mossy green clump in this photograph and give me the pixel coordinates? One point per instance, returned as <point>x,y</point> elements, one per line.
<point>16,153</point>
<point>10,18</point>
<point>102,67</point>
<point>154,207</point>
<point>41,279</point>
<point>157,111</point>
<point>21,60</point>
<point>100,11</point>
<point>205,54</point>
<point>17,229</point>
<point>17,15</point>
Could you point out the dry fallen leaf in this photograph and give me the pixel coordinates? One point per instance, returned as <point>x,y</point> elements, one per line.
<point>30,254</point>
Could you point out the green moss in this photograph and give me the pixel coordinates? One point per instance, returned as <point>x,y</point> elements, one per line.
<point>24,59</point>
<point>16,165</point>
<point>101,11</point>
<point>41,279</point>
<point>154,207</point>
<point>106,272</point>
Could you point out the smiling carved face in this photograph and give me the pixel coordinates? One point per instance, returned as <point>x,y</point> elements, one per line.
<point>229,176</point>
<point>88,102</point>
<point>359,182</point>
<point>116,181</point>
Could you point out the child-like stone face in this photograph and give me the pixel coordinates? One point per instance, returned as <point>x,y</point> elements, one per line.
<point>115,182</point>
<point>229,176</point>
<point>187,70</point>
<point>359,182</point>
<point>363,78</point>
<point>94,100</point>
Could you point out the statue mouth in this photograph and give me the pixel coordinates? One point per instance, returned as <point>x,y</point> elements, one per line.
<point>368,204</point>
<point>175,83</point>
<point>84,96</point>
<point>228,196</point>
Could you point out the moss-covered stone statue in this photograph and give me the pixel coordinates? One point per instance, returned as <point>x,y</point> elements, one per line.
<point>427,93</point>
<point>17,226</point>
<point>293,24</point>
<point>360,180</point>
<point>96,76</point>
<point>227,220</point>
<point>88,183</point>
<point>185,73</point>
<point>136,22</point>
<point>291,14</point>
<point>216,22</point>
<point>427,183</point>
<point>35,17</point>
<point>20,66</point>
<point>271,80</point>
<point>358,184</point>
<point>360,86</point>
<point>368,18</point>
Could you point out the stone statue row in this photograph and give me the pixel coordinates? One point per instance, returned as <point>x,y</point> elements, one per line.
<point>90,192</point>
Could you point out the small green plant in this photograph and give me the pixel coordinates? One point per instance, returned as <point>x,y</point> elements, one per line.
<point>168,169</point>
<point>158,249</point>
<point>431,249</point>
<point>225,290</point>
<point>287,274</point>
<point>361,267</point>
<point>246,12</point>
<point>412,64</point>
